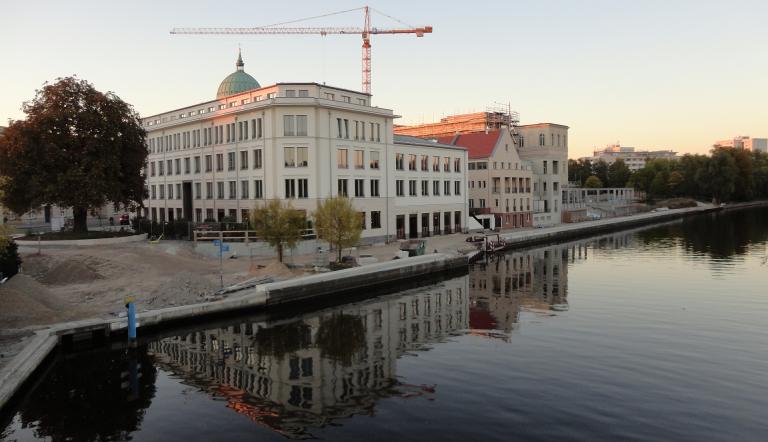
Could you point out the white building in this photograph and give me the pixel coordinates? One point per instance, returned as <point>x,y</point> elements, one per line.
<point>545,147</point>
<point>634,159</point>
<point>742,142</point>
<point>303,142</point>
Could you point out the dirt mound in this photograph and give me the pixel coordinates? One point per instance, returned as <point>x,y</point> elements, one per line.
<point>275,269</point>
<point>183,288</point>
<point>24,302</point>
<point>70,271</point>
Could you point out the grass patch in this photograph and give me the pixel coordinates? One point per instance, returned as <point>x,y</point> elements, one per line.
<point>62,236</point>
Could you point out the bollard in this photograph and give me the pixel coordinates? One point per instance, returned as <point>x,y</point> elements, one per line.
<point>130,304</point>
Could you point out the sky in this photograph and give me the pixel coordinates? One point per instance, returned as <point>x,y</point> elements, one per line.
<point>652,74</point>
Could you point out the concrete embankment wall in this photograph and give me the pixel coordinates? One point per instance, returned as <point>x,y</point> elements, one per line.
<point>568,231</point>
<point>84,242</point>
<point>313,287</point>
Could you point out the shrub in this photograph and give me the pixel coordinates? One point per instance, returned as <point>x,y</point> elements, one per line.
<point>9,259</point>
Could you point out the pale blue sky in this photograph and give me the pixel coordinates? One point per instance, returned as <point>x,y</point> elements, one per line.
<point>676,74</point>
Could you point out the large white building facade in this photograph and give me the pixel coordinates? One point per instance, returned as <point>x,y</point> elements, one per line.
<point>545,147</point>
<point>302,142</point>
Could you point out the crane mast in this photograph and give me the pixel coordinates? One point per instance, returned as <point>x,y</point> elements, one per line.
<point>366,31</point>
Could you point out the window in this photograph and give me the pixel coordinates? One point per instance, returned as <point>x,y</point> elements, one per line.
<point>446,187</point>
<point>198,191</point>
<point>289,156</point>
<point>338,123</point>
<point>243,160</point>
<point>457,164</point>
<point>162,191</point>
<point>346,128</point>
<point>178,191</point>
<point>399,191</point>
<point>244,190</point>
<point>359,159</point>
<point>542,140</point>
<point>197,164</point>
<point>359,188</point>
<point>301,125</point>
<point>220,190</point>
<point>374,187</point>
<point>289,125</point>
<point>436,188</point>
<point>399,158</point>
<point>233,190</point>
<point>302,156</point>
<point>545,166</point>
<point>303,188</point>
<point>412,187</point>
<point>230,161</point>
<point>257,159</point>
<point>153,191</point>
<point>219,162</point>
<point>446,164</point>
<point>290,93</point>
<point>457,188</point>
<point>208,190</point>
<point>152,168</point>
<point>436,164</point>
<point>290,188</point>
<point>374,156</point>
<point>424,188</point>
<point>170,191</point>
<point>375,220</point>
<point>208,163</point>
<point>411,162</point>
<point>160,166</point>
<point>259,132</point>
<point>346,99</point>
<point>362,130</point>
<point>341,159</point>
<point>555,167</point>
<point>258,189</point>
<point>342,187</point>
<point>425,163</point>
<point>303,93</point>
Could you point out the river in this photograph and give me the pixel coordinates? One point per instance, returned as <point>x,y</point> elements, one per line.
<point>650,334</point>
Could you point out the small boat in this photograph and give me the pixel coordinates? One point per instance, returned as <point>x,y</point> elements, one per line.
<point>494,243</point>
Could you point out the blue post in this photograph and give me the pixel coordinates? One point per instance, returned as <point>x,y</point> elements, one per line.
<point>131,305</point>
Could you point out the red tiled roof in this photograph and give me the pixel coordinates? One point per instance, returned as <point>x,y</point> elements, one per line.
<point>479,144</point>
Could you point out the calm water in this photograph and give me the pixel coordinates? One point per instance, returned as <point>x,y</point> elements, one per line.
<point>659,334</point>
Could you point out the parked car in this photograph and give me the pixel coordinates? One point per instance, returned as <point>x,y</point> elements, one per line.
<point>125,219</point>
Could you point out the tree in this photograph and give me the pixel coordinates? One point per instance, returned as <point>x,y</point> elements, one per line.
<point>77,148</point>
<point>9,257</point>
<point>338,223</point>
<point>579,171</point>
<point>721,174</point>
<point>593,182</point>
<point>618,174</point>
<point>279,224</point>
<point>600,170</point>
<point>676,179</point>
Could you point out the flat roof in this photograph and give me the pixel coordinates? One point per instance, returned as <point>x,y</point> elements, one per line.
<point>423,142</point>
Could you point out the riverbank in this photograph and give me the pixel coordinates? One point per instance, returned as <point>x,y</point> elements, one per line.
<point>161,267</point>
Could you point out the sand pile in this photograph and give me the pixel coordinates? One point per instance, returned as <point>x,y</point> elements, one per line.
<point>183,288</point>
<point>70,271</point>
<point>274,269</point>
<point>24,301</point>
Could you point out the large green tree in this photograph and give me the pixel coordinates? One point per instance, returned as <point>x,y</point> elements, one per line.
<point>579,171</point>
<point>721,174</point>
<point>279,224</point>
<point>77,148</point>
<point>600,170</point>
<point>337,222</point>
<point>593,182</point>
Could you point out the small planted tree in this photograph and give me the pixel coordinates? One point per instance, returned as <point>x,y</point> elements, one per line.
<point>9,254</point>
<point>337,222</point>
<point>279,225</point>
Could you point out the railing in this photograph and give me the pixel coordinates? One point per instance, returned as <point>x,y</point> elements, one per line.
<point>245,236</point>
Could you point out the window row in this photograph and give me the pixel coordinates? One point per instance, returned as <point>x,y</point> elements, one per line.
<point>342,159</point>
<point>524,204</point>
<point>209,136</point>
<point>175,191</point>
<point>342,188</point>
<point>436,187</point>
<point>437,163</point>
<point>174,166</point>
<point>359,130</point>
<point>483,165</point>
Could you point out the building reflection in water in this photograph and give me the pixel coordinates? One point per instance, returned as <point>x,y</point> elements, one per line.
<point>306,372</point>
<point>536,280</point>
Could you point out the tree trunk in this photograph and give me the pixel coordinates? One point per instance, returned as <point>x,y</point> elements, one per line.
<point>280,252</point>
<point>340,250</point>
<point>81,219</point>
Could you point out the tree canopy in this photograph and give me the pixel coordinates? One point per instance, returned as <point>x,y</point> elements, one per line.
<point>337,222</point>
<point>279,224</point>
<point>77,148</point>
<point>593,182</point>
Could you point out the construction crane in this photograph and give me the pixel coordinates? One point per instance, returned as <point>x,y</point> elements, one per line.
<point>366,31</point>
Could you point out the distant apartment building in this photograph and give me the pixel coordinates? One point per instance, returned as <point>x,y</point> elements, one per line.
<point>499,181</point>
<point>747,143</point>
<point>634,159</point>
<point>304,143</point>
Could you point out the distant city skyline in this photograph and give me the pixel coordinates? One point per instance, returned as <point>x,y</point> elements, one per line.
<point>652,74</point>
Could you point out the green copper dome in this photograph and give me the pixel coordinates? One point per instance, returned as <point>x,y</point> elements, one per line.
<point>237,81</point>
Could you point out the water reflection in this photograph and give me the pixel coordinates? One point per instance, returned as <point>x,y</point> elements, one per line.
<point>310,371</point>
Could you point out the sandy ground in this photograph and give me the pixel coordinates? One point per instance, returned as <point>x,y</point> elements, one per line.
<point>65,283</point>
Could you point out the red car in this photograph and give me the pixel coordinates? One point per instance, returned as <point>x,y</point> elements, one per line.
<point>125,219</point>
